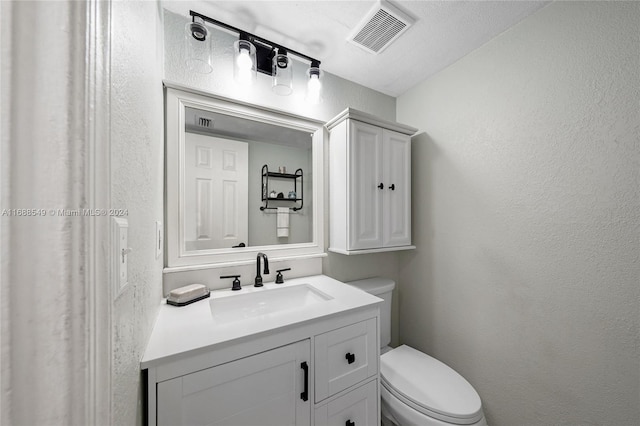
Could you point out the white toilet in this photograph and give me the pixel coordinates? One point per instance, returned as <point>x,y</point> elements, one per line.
<point>416,388</point>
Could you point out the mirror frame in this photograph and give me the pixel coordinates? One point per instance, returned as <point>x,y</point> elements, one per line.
<point>177,98</point>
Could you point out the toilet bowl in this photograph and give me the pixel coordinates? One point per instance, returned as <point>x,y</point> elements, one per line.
<point>417,389</point>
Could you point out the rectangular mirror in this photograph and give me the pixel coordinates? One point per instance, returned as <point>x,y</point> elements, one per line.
<point>240,180</point>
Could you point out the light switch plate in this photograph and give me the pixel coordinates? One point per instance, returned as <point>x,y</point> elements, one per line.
<point>121,250</point>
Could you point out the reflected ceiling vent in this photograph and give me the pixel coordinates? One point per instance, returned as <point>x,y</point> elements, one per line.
<point>202,121</point>
<point>382,25</point>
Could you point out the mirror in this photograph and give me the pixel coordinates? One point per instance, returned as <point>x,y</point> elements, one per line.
<point>240,179</point>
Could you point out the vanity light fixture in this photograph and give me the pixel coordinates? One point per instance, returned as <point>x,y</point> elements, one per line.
<point>197,46</point>
<point>282,73</point>
<point>253,54</point>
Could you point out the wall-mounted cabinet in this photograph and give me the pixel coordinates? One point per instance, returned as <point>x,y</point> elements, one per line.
<point>369,184</point>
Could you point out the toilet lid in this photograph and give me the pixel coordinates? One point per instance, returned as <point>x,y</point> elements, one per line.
<point>429,386</point>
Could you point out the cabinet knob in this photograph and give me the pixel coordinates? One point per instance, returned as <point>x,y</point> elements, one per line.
<point>351,358</point>
<point>381,186</point>
<point>392,187</point>
<point>350,423</point>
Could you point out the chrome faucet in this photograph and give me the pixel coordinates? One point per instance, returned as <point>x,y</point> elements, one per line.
<point>258,282</point>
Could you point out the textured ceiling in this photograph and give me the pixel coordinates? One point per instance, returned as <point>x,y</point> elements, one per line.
<point>444,31</point>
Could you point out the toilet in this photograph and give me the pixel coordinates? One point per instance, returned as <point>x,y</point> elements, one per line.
<point>417,389</point>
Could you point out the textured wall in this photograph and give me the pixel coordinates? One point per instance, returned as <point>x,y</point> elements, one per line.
<point>137,148</point>
<point>526,211</point>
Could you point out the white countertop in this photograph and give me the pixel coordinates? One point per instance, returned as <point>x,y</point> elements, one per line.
<point>181,330</point>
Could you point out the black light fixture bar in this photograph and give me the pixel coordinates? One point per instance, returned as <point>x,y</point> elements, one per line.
<point>253,37</point>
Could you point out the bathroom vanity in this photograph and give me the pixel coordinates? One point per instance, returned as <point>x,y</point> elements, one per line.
<point>303,352</point>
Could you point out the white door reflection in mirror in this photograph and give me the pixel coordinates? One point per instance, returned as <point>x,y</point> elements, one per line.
<point>216,186</point>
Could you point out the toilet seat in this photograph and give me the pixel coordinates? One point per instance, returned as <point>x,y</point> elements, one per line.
<point>429,386</point>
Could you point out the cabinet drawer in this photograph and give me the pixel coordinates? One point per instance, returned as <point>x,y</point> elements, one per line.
<point>344,357</point>
<point>356,408</point>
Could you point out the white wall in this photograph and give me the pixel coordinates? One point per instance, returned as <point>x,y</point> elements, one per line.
<point>137,147</point>
<point>526,211</point>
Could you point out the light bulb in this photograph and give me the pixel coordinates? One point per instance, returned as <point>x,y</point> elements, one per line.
<point>244,69</point>
<point>244,61</point>
<point>313,89</point>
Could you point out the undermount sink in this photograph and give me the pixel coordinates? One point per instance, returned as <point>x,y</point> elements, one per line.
<point>265,301</point>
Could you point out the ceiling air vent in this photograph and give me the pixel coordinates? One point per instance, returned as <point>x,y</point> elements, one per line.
<point>382,25</point>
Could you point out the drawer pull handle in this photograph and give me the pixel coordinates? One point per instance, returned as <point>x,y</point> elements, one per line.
<point>351,358</point>
<point>305,395</point>
<point>350,423</point>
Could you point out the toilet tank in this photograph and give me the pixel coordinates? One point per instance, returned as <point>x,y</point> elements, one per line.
<point>382,288</point>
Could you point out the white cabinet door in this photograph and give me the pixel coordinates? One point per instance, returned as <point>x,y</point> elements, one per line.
<point>262,389</point>
<point>397,189</point>
<point>365,194</point>
<point>380,187</point>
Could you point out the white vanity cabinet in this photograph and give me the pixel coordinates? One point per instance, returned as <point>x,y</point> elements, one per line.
<point>313,366</point>
<point>287,384</point>
<point>369,184</point>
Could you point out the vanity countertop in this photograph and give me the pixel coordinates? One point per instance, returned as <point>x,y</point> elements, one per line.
<point>179,331</point>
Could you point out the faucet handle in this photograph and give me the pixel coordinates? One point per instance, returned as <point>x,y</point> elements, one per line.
<point>236,281</point>
<point>279,277</point>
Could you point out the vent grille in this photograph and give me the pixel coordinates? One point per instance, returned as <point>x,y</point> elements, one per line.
<point>205,122</point>
<point>383,24</point>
